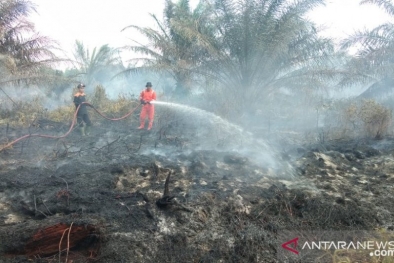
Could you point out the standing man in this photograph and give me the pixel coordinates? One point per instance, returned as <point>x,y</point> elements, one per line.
<point>82,114</point>
<point>148,109</point>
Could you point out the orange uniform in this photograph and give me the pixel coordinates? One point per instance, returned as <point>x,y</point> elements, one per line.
<point>148,109</point>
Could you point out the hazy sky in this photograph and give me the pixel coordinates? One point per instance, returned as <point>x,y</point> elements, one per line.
<point>98,22</point>
<point>93,22</point>
<point>342,17</point>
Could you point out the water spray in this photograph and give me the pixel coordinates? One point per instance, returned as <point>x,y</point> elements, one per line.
<point>200,112</point>
<point>256,150</point>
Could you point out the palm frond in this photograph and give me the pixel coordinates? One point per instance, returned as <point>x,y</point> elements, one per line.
<point>386,5</point>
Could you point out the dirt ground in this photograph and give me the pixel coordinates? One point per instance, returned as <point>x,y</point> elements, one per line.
<point>103,198</point>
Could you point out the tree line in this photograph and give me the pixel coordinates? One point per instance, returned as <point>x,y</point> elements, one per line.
<point>232,51</point>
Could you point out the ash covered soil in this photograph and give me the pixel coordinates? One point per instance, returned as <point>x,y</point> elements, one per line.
<point>103,198</point>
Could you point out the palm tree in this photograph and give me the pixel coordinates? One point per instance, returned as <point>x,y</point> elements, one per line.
<point>95,64</point>
<point>168,49</point>
<point>373,63</point>
<point>264,46</point>
<point>23,51</point>
<point>25,55</point>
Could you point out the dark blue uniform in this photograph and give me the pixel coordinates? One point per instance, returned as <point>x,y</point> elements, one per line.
<point>82,115</point>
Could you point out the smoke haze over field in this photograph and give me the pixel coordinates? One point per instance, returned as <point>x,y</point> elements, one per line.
<point>266,117</point>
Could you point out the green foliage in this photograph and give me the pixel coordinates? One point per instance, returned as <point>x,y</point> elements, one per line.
<point>264,46</point>
<point>96,63</point>
<point>171,49</point>
<point>373,61</point>
<point>23,49</point>
<point>117,107</point>
<point>99,98</point>
<point>246,49</point>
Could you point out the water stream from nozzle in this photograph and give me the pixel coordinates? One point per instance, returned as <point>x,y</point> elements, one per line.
<point>205,115</point>
<point>236,139</point>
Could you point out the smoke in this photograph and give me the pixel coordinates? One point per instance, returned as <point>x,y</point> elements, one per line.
<point>211,132</point>
<point>47,99</point>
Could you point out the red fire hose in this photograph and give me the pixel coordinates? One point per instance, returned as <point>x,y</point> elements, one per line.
<point>71,127</point>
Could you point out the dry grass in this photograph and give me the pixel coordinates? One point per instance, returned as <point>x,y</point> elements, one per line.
<point>24,113</point>
<point>372,118</point>
<point>100,100</point>
<point>62,114</point>
<point>376,119</point>
<point>357,119</point>
<point>381,236</point>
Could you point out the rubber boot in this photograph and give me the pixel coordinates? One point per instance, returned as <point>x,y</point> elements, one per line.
<point>88,129</point>
<point>150,125</point>
<point>142,125</point>
<point>82,129</point>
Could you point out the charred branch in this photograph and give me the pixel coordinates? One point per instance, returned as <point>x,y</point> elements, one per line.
<point>166,199</point>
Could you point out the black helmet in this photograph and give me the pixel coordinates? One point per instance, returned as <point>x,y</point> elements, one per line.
<point>148,84</point>
<point>81,85</point>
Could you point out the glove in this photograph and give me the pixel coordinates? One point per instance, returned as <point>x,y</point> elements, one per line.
<point>143,102</point>
<point>147,102</point>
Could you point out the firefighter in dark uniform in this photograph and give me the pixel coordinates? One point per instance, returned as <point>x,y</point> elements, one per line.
<point>82,115</point>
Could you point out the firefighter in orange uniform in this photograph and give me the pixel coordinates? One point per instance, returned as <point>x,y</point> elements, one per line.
<point>148,109</point>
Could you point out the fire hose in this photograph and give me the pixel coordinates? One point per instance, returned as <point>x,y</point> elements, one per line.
<point>71,127</point>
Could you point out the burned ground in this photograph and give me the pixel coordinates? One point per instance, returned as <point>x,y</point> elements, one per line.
<point>94,198</point>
